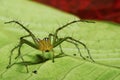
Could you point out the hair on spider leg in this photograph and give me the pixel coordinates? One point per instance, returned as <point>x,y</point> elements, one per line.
<point>47,43</point>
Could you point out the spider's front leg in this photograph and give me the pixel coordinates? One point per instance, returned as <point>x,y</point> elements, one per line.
<point>22,41</point>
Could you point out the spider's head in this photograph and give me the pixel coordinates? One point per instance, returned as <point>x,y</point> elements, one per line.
<point>46,39</point>
<point>45,45</point>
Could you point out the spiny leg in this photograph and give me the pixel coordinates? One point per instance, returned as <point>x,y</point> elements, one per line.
<point>72,22</point>
<point>52,35</point>
<point>76,45</point>
<point>81,44</point>
<point>84,47</point>
<point>11,53</point>
<point>55,37</point>
<point>20,44</point>
<point>23,41</point>
<point>70,38</point>
<point>52,56</point>
<point>10,57</point>
<point>30,33</point>
<point>61,50</point>
<point>69,42</point>
<point>19,51</point>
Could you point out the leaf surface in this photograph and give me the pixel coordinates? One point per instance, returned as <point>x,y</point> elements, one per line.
<point>102,39</point>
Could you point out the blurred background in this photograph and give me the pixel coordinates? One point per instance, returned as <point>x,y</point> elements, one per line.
<point>108,10</point>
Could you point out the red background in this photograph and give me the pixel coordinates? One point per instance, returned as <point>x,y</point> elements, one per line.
<point>89,9</point>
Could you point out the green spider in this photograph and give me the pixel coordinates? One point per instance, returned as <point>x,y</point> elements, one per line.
<point>46,45</point>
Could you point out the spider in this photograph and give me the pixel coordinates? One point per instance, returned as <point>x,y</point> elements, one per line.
<point>48,43</point>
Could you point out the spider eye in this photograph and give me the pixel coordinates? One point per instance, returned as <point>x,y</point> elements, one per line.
<point>39,39</point>
<point>46,38</point>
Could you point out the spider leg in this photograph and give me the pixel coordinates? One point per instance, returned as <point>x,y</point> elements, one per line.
<point>30,33</point>
<point>72,22</point>
<point>70,38</point>
<point>55,37</point>
<point>52,56</point>
<point>22,41</point>
<point>52,35</point>
<point>10,57</point>
<point>61,50</point>
<point>11,53</point>
<point>19,51</point>
<point>43,55</point>
<point>83,45</point>
<point>76,45</point>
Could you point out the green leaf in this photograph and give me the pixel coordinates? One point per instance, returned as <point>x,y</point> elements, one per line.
<point>102,38</point>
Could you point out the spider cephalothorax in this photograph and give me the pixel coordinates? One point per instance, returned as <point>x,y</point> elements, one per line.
<point>45,45</point>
